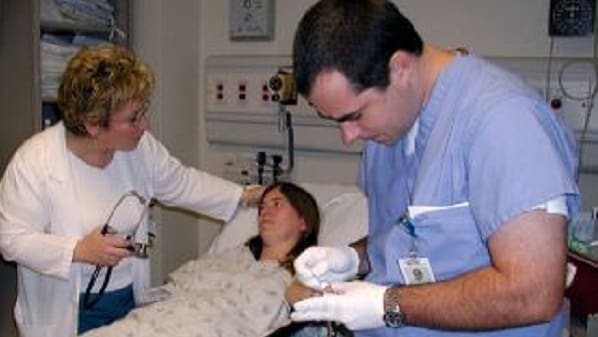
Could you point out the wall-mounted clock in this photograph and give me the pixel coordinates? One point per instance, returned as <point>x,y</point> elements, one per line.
<point>251,19</point>
<point>571,17</point>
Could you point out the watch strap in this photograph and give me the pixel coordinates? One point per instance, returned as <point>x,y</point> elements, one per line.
<point>393,317</point>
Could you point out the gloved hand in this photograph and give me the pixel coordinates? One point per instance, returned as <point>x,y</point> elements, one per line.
<point>326,264</point>
<point>358,305</point>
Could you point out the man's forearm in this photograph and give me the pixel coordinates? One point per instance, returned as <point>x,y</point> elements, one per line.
<point>482,299</point>
<point>524,285</point>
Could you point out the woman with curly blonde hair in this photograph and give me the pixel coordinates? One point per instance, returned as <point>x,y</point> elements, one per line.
<point>74,198</point>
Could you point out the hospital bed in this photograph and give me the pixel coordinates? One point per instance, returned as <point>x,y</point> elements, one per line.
<point>344,220</point>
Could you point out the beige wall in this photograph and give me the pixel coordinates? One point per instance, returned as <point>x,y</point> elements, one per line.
<point>492,28</point>
<point>166,35</point>
<point>505,28</point>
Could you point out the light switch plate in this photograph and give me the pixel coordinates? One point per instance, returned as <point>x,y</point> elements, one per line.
<point>251,20</point>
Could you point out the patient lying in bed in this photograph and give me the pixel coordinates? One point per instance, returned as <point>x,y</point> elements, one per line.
<point>239,292</point>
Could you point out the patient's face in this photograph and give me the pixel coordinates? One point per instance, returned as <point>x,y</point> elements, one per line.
<point>278,221</point>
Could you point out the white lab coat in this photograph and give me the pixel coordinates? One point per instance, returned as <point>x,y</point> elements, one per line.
<point>40,224</point>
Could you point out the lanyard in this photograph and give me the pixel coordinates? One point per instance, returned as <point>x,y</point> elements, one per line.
<point>404,222</point>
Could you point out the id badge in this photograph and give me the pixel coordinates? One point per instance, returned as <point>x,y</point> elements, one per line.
<point>416,270</point>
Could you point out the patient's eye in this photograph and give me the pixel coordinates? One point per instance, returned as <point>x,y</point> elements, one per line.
<point>276,203</point>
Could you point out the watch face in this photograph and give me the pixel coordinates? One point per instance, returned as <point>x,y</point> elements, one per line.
<point>394,319</point>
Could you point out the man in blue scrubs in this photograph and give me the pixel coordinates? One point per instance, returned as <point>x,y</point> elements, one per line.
<point>470,179</point>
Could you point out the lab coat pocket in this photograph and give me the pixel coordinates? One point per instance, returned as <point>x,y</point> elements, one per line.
<point>52,330</point>
<point>43,329</point>
<point>449,237</point>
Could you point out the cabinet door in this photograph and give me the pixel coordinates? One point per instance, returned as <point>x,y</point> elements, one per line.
<point>19,113</point>
<point>19,71</point>
<point>8,296</point>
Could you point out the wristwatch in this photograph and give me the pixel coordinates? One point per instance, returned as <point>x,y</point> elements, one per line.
<point>393,317</point>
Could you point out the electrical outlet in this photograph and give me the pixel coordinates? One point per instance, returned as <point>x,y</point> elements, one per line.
<point>239,90</point>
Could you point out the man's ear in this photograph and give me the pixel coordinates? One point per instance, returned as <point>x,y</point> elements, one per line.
<point>399,62</point>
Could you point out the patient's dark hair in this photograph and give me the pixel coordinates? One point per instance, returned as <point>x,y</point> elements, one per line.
<point>307,208</point>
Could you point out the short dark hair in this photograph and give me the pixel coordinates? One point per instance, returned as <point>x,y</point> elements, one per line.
<point>356,38</point>
<point>307,208</point>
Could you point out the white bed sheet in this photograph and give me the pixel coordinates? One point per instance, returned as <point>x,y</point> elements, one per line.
<point>229,294</point>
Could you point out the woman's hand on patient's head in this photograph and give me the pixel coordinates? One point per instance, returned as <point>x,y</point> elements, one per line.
<point>251,195</point>
<point>99,249</point>
<point>296,292</point>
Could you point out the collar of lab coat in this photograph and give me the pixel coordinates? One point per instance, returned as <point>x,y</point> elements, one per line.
<point>57,152</point>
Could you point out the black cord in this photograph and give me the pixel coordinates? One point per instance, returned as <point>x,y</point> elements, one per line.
<point>261,161</point>
<point>87,304</point>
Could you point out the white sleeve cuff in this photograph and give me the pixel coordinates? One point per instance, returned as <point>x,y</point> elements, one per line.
<point>557,205</point>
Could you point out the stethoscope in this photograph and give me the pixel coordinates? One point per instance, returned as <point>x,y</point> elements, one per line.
<point>138,249</point>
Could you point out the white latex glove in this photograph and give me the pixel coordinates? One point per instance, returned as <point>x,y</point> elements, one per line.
<point>358,305</point>
<point>326,264</point>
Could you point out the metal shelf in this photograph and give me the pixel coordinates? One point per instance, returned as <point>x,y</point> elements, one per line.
<point>52,26</point>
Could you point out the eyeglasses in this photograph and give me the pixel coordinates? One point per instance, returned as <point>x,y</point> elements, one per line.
<point>139,250</point>
<point>136,117</point>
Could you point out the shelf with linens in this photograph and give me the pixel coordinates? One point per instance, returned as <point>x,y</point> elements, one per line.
<point>65,27</point>
<point>24,24</point>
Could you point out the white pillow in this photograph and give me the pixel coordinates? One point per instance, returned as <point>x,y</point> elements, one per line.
<point>344,220</point>
<point>343,210</point>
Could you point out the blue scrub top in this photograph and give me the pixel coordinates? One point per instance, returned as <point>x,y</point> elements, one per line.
<point>484,139</point>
